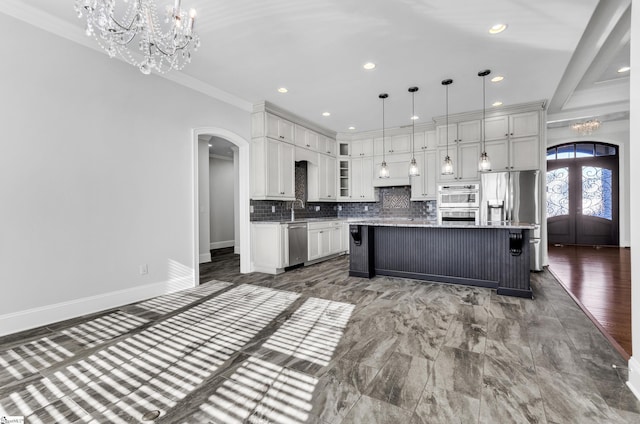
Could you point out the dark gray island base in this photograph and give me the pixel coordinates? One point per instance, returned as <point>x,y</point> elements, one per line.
<point>485,256</point>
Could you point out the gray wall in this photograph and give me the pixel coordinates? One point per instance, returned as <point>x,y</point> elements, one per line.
<point>221,202</point>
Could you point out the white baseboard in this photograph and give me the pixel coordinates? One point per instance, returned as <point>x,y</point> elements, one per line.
<point>222,244</point>
<point>634,376</point>
<point>236,249</point>
<point>205,257</point>
<point>44,315</point>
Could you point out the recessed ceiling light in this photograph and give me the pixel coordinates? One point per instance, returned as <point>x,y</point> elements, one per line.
<point>282,90</point>
<point>497,28</point>
<point>624,69</point>
<point>369,66</point>
<point>210,145</point>
<point>326,113</point>
<point>498,103</point>
<point>352,128</point>
<point>415,117</point>
<point>497,78</point>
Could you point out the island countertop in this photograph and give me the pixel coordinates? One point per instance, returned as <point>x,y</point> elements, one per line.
<point>405,222</point>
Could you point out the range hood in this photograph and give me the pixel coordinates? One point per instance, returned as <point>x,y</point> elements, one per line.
<point>391,182</point>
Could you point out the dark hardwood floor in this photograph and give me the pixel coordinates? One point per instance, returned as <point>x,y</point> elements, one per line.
<point>600,279</point>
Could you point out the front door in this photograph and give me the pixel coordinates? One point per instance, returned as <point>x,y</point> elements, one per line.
<point>582,194</point>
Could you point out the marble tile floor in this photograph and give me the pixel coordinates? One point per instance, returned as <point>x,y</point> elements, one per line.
<point>314,345</point>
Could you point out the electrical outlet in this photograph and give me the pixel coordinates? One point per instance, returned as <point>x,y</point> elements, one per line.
<point>339,207</point>
<point>143,269</point>
<point>273,209</point>
<point>317,208</point>
<point>251,209</point>
<point>366,208</point>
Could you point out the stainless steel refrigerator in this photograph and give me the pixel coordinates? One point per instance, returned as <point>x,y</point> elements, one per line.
<point>513,197</point>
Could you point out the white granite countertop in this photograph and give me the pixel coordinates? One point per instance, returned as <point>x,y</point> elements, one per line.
<point>395,222</point>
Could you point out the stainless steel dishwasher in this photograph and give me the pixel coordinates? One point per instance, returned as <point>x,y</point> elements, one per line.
<point>297,243</point>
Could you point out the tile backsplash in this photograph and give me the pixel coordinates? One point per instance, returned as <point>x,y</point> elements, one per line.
<point>394,202</point>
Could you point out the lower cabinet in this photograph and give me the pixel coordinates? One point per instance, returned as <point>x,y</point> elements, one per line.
<point>269,247</point>
<point>325,238</point>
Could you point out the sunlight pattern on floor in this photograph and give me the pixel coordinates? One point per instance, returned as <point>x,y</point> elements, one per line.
<point>104,328</point>
<point>154,368</point>
<point>260,392</point>
<point>313,331</point>
<point>29,358</point>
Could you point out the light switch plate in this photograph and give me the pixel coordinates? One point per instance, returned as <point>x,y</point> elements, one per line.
<point>273,209</point>
<point>251,209</point>
<point>366,208</point>
<point>317,208</point>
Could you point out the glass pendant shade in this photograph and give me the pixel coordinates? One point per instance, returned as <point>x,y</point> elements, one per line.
<point>384,170</point>
<point>414,171</point>
<point>485,163</point>
<point>447,166</point>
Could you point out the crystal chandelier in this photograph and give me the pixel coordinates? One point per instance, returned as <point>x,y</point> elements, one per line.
<point>134,32</point>
<point>587,127</point>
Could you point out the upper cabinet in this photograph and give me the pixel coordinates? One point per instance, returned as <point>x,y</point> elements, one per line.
<point>272,170</point>
<point>361,147</point>
<point>513,141</point>
<point>460,132</point>
<point>400,143</point>
<point>280,128</point>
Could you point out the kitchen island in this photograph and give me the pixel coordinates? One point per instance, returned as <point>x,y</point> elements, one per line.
<point>495,256</point>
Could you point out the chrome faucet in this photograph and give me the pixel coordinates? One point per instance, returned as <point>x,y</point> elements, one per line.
<point>293,213</point>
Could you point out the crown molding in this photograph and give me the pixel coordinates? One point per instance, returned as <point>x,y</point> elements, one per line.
<point>274,109</point>
<point>54,25</point>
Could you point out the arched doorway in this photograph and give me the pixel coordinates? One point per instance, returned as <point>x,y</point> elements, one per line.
<point>582,194</point>
<point>243,195</point>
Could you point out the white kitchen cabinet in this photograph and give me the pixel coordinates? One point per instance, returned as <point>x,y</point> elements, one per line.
<point>362,180</point>
<point>498,151</point>
<point>524,124</point>
<point>423,187</point>
<point>400,143</point>
<point>465,157</point>
<point>306,138</point>
<point>329,145</point>
<point>460,132</point>
<point>272,173</point>
<point>398,166</point>
<point>361,148</point>
<point>321,179</point>
<point>496,128</point>
<point>524,153</point>
<point>325,238</point>
<point>426,140</point>
<point>279,128</point>
<point>269,247</point>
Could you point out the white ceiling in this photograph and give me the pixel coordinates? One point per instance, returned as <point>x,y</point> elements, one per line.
<point>317,49</point>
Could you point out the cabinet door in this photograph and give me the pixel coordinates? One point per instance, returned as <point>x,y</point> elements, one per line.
<point>441,131</point>
<point>273,168</point>
<point>525,153</point>
<point>325,242</point>
<point>330,145</point>
<point>312,140</point>
<point>362,148</point>
<point>273,126</point>
<point>356,179</point>
<point>469,131</point>
<point>313,244</point>
<point>286,130</point>
<point>496,128</point>
<point>469,156</point>
<point>301,136</point>
<point>524,124</point>
<point>498,151</point>
<point>336,238</point>
<point>400,144</point>
<point>418,189</point>
<point>442,153</point>
<point>286,161</point>
<point>366,179</point>
<point>429,141</point>
<point>429,171</point>
<point>321,145</point>
<point>330,178</point>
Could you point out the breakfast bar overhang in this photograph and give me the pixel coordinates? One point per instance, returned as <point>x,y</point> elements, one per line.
<point>494,256</point>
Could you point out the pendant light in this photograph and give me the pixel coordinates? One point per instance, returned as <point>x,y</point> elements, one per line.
<point>414,171</point>
<point>384,170</point>
<point>447,165</point>
<point>484,164</point>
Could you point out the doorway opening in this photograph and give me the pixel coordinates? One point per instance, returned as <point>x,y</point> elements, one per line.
<point>582,194</point>
<point>221,196</point>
